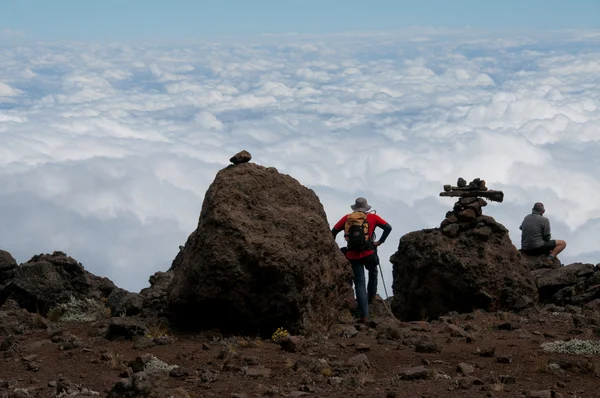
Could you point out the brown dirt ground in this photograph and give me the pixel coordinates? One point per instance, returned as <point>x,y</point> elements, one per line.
<point>85,366</point>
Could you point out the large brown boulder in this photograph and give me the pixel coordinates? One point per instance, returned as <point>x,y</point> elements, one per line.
<point>262,257</point>
<point>50,279</point>
<point>478,267</point>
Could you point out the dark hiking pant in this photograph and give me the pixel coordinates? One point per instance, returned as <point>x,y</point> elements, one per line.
<point>365,294</point>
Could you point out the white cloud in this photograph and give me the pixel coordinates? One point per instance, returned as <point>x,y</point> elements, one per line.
<point>8,91</point>
<point>107,150</point>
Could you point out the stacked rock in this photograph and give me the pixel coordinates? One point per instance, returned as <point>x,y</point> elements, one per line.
<point>467,210</point>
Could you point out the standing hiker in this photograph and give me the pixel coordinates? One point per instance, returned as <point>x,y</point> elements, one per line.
<point>359,227</point>
<point>536,237</point>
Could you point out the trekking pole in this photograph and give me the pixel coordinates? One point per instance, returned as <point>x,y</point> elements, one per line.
<point>383,280</point>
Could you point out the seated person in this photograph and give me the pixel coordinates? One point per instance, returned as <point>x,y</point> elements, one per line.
<point>535,235</point>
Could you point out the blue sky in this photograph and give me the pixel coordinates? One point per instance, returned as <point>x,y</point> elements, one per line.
<point>143,19</point>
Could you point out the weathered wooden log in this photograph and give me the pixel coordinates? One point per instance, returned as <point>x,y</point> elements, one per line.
<point>496,196</point>
<point>467,188</point>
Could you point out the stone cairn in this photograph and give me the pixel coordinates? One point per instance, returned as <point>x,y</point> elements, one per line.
<point>466,212</point>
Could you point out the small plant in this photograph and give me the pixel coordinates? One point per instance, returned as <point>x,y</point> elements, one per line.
<point>116,360</point>
<point>326,372</point>
<point>279,335</point>
<point>573,347</point>
<point>39,320</point>
<point>55,314</point>
<point>249,343</point>
<point>158,330</point>
<point>75,310</point>
<point>498,386</point>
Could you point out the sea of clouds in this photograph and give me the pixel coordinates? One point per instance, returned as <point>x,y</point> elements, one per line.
<point>106,150</point>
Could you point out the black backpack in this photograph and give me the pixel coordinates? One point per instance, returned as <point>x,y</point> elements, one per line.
<point>357,232</point>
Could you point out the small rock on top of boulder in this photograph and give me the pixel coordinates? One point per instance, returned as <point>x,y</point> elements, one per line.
<point>261,258</point>
<point>241,157</point>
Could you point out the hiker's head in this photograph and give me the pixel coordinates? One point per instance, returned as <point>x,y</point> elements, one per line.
<point>538,208</point>
<point>360,204</point>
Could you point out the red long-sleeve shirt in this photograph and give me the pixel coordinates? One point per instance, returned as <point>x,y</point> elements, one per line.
<point>374,220</point>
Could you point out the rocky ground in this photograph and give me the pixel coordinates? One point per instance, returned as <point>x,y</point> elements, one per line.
<point>478,354</point>
<point>527,327</point>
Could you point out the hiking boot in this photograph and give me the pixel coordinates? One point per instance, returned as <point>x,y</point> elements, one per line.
<point>364,320</point>
<point>551,260</point>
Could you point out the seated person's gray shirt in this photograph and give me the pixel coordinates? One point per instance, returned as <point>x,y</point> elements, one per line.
<point>536,231</point>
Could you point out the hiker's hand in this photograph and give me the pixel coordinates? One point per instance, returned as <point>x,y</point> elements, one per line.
<point>378,243</point>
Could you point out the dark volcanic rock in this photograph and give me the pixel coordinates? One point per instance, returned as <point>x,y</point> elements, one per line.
<point>122,302</point>
<point>539,261</point>
<point>8,265</point>
<point>155,297</point>
<point>241,157</point>
<point>49,279</point>
<point>573,284</point>
<point>127,328</point>
<point>262,257</point>
<point>480,268</point>
<point>147,384</point>
<point>7,261</point>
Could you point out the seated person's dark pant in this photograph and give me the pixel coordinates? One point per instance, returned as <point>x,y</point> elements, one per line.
<point>365,294</point>
<point>546,248</point>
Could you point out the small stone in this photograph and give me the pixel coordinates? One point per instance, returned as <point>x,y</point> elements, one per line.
<point>465,383</point>
<point>205,347</point>
<point>488,352</point>
<point>335,381</point>
<point>241,157</point>
<point>466,201</point>
<point>359,362</point>
<point>32,366</point>
<point>179,372</point>
<point>456,331</point>
<point>293,343</point>
<point>508,379</point>
<point>427,347</point>
<point>349,332</point>
<point>507,326</point>
<point>258,372</point>
<point>465,368</point>
<point>540,394</point>
<point>504,359</point>
<point>363,347</point>
<point>451,231</point>
<point>52,383</point>
<point>415,373</point>
<point>251,360</point>
<point>560,384</point>
<point>143,343</point>
<point>466,215</point>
